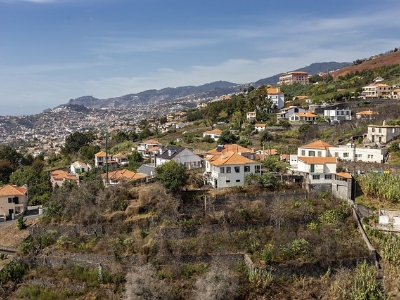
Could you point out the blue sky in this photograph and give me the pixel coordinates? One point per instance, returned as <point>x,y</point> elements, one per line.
<point>55,50</point>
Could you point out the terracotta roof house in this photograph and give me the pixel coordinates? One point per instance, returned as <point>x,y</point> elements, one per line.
<point>368,114</point>
<point>118,176</point>
<point>304,117</point>
<point>13,200</point>
<point>276,96</point>
<point>143,147</point>
<point>229,169</point>
<point>222,149</point>
<point>100,159</point>
<point>58,177</point>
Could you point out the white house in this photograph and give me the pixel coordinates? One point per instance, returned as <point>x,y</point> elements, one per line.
<point>80,167</point>
<point>121,159</point>
<point>143,147</point>
<point>100,159</point>
<point>214,134</point>
<point>303,117</point>
<point>382,133</point>
<point>251,115</point>
<point>317,169</point>
<point>352,153</point>
<point>276,97</point>
<point>229,169</point>
<point>180,155</point>
<point>338,114</point>
<point>13,200</point>
<point>259,127</point>
<point>286,112</point>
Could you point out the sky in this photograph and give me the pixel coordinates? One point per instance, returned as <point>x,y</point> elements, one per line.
<point>55,50</point>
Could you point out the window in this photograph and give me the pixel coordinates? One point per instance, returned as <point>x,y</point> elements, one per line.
<point>328,176</point>
<point>228,169</point>
<point>222,170</point>
<point>237,180</point>
<point>345,154</point>
<point>303,152</point>
<point>10,200</point>
<point>227,181</point>
<point>247,168</point>
<point>358,155</point>
<point>237,169</point>
<point>257,168</point>
<point>370,156</point>
<point>336,154</point>
<point>311,153</point>
<point>315,177</point>
<point>319,153</point>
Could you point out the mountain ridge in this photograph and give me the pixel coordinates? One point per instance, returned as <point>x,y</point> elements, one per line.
<point>205,91</point>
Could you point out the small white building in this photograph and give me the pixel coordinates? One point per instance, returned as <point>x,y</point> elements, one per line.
<point>214,134</point>
<point>338,114</point>
<point>259,127</point>
<point>80,167</point>
<point>251,115</point>
<point>317,169</point>
<point>353,153</point>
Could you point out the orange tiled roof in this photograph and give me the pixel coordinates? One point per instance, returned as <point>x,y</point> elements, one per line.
<point>317,145</point>
<point>259,125</point>
<point>12,190</point>
<point>274,91</point>
<point>124,175</point>
<point>345,175</point>
<point>151,142</point>
<point>367,112</point>
<point>155,148</point>
<point>306,114</point>
<point>214,131</point>
<point>101,154</point>
<point>230,158</point>
<point>61,174</point>
<point>230,148</point>
<point>317,160</point>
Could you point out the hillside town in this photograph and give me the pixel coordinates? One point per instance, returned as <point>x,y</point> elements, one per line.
<point>125,185</point>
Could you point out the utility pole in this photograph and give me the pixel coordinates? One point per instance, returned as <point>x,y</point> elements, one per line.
<point>354,170</point>
<point>106,154</point>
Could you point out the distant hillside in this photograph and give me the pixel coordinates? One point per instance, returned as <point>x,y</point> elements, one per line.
<point>373,62</point>
<point>213,89</point>
<point>312,69</point>
<point>208,90</point>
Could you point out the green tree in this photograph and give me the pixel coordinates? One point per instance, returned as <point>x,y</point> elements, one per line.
<point>6,169</point>
<point>76,140</point>
<point>87,152</point>
<point>37,180</point>
<point>227,137</point>
<point>21,222</point>
<point>173,176</point>
<point>10,154</point>
<point>135,160</point>
<point>265,136</point>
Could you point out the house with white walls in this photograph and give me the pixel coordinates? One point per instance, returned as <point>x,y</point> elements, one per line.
<point>276,96</point>
<point>214,134</point>
<point>286,112</point>
<point>229,169</point>
<point>180,155</point>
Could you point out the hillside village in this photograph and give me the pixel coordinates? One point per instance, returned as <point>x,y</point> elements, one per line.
<point>278,168</point>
